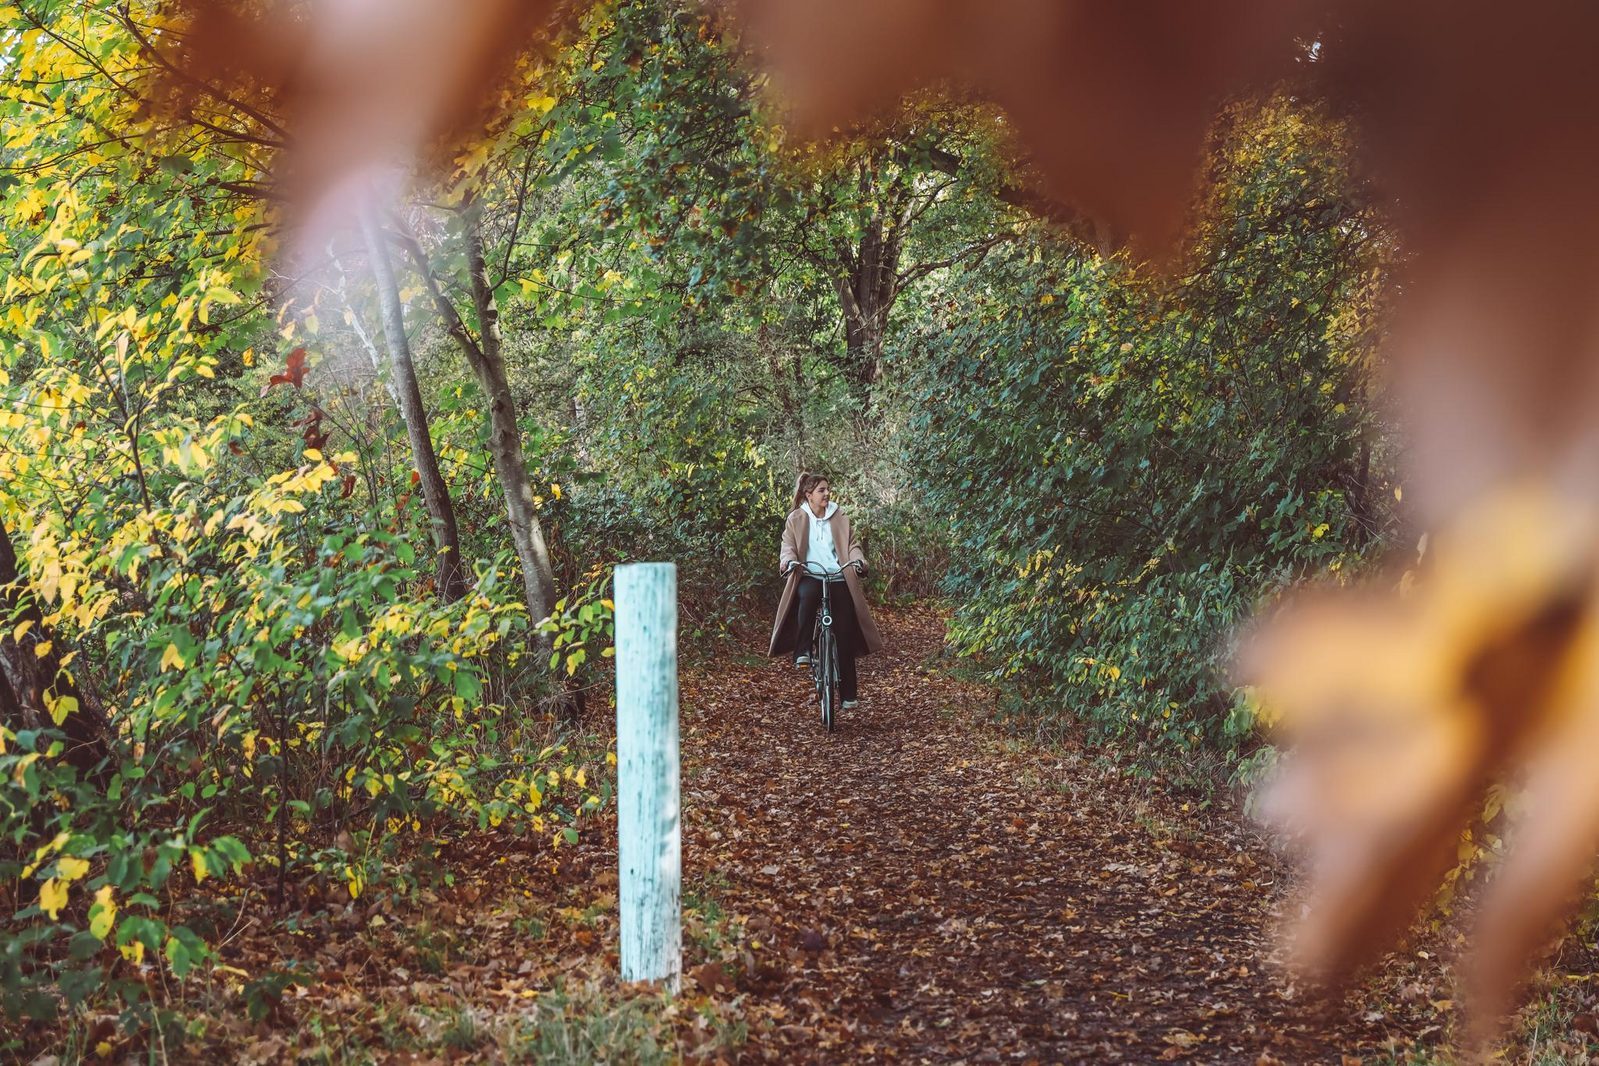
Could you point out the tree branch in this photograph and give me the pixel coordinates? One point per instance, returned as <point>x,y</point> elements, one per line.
<point>975,252</point>
<point>454,325</point>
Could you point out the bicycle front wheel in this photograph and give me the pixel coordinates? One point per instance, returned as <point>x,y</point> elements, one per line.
<point>827,663</point>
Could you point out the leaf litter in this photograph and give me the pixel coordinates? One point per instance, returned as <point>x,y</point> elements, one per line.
<point>917,887</point>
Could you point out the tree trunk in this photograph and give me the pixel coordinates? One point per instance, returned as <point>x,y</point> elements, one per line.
<point>867,289</point>
<point>505,435</point>
<point>435,493</point>
<point>863,349</point>
<point>25,675</point>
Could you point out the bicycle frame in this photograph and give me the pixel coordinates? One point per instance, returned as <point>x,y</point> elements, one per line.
<point>824,650</point>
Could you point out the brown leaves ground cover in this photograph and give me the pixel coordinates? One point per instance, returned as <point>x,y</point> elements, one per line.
<point>917,887</point>
<point>924,890</point>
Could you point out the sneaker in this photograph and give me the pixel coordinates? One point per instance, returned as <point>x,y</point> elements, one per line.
<point>850,705</point>
<point>802,661</point>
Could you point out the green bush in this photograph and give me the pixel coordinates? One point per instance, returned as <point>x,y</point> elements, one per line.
<point>284,688</point>
<point>1129,465</point>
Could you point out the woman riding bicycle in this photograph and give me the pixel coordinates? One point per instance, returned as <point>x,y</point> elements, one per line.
<point>817,537</point>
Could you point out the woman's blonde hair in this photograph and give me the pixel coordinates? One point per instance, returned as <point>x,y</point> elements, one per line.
<point>805,486</point>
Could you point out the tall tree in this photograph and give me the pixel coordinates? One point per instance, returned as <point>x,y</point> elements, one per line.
<point>435,492</point>
<point>690,163</point>
<point>485,354</point>
<point>891,199</point>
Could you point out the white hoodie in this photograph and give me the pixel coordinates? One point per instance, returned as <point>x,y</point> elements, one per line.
<point>820,550</point>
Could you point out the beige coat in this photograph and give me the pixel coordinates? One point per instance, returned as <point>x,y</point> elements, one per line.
<point>796,539</point>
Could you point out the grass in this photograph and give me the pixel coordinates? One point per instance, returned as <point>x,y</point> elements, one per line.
<point>460,1030</point>
<point>1546,1025</point>
<point>530,926</point>
<point>1543,1033</point>
<point>583,1026</point>
<point>578,1022</point>
<point>709,930</point>
<point>1411,1057</point>
<point>432,946</point>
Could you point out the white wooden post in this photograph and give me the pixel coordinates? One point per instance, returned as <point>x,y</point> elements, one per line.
<point>649,835</point>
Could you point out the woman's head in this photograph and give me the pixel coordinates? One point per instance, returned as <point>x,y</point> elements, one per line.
<point>813,489</point>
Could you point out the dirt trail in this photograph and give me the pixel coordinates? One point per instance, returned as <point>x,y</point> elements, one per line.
<point>911,889</point>
<point>930,893</point>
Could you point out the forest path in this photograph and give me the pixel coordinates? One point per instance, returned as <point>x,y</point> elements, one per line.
<point>927,891</point>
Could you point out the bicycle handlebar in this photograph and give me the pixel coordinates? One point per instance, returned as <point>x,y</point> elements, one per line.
<point>823,573</point>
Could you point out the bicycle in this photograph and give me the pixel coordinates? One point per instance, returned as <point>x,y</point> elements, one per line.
<point>824,648</point>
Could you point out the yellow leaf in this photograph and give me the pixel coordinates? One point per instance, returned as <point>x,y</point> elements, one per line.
<point>171,657</point>
<point>41,649</point>
<point>47,849</point>
<point>60,707</point>
<point>69,869</point>
<point>197,860</point>
<point>103,912</point>
<point>52,897</point>
<point>1494,803</point>
<point>133,952</point>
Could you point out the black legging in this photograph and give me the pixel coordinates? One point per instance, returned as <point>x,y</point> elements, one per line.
<point>844,625</point>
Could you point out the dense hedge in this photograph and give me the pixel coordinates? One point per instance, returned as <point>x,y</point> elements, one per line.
<point>1128,463</point>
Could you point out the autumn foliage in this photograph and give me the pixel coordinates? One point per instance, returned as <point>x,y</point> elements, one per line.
<point>340,362</point>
